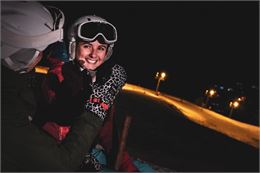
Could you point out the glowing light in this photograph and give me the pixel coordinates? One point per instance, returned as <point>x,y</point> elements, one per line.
<point>234,104</point>
<point>212,92</point>
<point>163,75</point>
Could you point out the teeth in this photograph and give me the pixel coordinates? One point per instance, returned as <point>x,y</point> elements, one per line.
<point>91,61</point>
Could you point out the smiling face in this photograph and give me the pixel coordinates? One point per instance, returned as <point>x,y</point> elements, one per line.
<point>91,55</point>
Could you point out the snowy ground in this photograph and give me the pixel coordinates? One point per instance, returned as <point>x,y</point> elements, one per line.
<point>169,141</point>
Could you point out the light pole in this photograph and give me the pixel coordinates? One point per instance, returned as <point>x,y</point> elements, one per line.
<point>233,105</point>
<point>209,93</point>
<point>161,77</point>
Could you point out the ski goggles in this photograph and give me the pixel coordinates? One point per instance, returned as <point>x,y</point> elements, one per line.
<point>23,60</point>
<point>89,31</point>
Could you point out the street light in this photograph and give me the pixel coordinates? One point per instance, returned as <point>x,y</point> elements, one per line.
<point>241,99</point>
<point>233,105</point>
<point>161,77</point>
<point>209,93</point>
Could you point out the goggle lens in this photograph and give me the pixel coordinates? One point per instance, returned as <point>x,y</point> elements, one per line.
<point>90,30</point>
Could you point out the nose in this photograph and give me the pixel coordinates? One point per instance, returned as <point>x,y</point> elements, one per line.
<point>93,53</point>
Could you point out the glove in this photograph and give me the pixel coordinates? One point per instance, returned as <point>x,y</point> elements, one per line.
<point>90,163</point>
<point>102,96</point>
<point>75,80</point>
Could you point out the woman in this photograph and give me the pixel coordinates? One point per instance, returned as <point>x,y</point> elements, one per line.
<point>91,40</point>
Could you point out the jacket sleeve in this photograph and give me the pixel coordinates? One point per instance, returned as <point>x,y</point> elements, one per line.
<point>69,154</point>
<point>28,148</point>
<point>25,147</point>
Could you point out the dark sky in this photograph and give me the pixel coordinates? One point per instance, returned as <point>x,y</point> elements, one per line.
<point>197,43</point>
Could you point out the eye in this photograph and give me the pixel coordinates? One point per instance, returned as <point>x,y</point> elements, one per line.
<point>86,46</point>
<point>102,48</point>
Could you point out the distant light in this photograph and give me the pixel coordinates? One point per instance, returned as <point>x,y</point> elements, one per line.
<point>163,75</point>
<point>242,98</point>
<point>210,92</point>
<point>157,75</point>
<point>229,89</point>
<point>234,104</point>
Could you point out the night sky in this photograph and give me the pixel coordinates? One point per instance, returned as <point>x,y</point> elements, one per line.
<point>196,43</point>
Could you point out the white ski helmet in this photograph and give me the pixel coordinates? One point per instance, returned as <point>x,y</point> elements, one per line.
<point>88,28</point>
<point>27,28</point>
